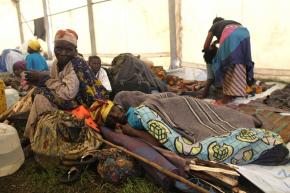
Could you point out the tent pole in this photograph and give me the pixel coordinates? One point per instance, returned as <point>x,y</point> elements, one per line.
<point>17,4</point>
<point>174,10</point>
<point>48,29</point>
<point>92,27</point>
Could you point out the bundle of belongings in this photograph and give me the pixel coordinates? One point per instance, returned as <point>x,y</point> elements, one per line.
<point>9,57</point>
<point>279,99</point>
<point>130,73</point>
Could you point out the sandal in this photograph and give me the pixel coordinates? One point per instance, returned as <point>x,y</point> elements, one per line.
<point>75,172</point>
<point>72,175</point>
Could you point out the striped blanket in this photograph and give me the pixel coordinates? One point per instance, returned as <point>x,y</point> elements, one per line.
<point>196,119</point>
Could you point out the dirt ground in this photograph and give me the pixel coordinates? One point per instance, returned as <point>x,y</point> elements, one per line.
<point>31,178</point>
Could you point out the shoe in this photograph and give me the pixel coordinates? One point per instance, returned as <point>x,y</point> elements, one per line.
<point>72,175</point>
<point>24,141</point>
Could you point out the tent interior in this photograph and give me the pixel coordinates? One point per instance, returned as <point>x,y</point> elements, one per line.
<point>171,35</point>
<point>133,26</point>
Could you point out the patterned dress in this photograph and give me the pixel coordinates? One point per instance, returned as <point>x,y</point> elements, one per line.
<point>90,88</point>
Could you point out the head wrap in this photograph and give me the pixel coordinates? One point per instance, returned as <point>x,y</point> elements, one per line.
<point>19,65</point>
<point>67,35</point>
<point>34,45</point>
<point>100,110</point>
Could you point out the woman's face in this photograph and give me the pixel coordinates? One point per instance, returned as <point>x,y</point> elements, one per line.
<point>64,52</point>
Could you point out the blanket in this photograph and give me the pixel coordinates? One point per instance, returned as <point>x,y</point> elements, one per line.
<point>196,119</point>
<point>127,68</point>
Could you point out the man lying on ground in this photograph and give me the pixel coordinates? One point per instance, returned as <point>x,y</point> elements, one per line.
<point>193,128</point>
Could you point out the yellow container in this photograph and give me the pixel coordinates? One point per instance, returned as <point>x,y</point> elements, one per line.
<point>3,105</point>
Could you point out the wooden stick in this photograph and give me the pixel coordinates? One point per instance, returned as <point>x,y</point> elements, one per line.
<point>205,179</point>
<point>219,179</point>
<point>159,168</point>
<point>211,164</point>
<point>210,169</point>
<point>228,181</point>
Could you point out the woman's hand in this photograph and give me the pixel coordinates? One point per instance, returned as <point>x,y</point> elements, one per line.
<point>36,78</point>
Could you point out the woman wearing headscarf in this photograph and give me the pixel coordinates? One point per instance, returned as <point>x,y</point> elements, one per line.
<point>34,60</point>
<point>59,126</point>
<point>232,66</point>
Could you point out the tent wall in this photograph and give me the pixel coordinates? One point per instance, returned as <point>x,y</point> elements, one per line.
<point>120,26</point>
<point>267,21</point>
<point>133,26</point>
<point>9,37</point>
<point>142,27</point>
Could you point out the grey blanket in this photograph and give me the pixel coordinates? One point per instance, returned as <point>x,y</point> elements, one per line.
<point>135,98</point>
<point>193,118</point>
<point>127,67</point>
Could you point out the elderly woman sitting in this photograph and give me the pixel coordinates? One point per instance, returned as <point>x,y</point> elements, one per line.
<point>70,87</point>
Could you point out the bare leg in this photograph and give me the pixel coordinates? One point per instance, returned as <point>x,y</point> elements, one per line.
<point>226,99</point>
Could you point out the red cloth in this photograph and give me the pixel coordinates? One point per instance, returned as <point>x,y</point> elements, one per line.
<point>82,113</point>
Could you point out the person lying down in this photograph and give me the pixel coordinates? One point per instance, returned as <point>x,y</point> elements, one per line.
<point>193,128</point>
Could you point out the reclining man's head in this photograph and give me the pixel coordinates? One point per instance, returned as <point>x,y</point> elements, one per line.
<point>105,112</point>
<point>116,115</point>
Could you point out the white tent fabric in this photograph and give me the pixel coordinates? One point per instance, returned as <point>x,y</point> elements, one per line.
<point>142,27</point>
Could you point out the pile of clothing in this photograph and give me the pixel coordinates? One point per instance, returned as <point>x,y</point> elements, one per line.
<point>279,99</point>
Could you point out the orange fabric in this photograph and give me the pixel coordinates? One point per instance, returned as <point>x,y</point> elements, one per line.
<point>82,113</point>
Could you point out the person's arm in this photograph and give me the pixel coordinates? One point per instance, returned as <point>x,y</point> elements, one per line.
<point>66,88</point>
<point>128,130</point>
<point>208,41</point>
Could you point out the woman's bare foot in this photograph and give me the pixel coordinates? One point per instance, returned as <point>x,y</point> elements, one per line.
<point>225,100</point>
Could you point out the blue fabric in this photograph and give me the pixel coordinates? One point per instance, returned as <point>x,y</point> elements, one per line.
<point>242,146</point>
<point>133,119</point>
<point>36,62</point>
<point>2,60</point>
<point>236,49</point>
